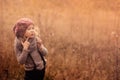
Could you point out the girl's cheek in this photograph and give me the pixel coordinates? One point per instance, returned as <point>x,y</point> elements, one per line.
<point>27,34</point>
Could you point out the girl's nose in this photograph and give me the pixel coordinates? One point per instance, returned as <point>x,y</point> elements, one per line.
<point>32,31</point>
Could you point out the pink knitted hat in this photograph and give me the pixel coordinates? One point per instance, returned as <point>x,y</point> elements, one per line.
<point>21,26</point>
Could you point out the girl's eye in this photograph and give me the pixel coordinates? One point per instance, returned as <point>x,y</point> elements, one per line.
<point>32,27</point>
<point>28,28</point>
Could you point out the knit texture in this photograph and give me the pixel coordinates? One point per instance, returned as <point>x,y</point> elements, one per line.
<point>23,55</point>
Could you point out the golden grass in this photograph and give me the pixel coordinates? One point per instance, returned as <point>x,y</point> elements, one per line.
<point>77,35</point>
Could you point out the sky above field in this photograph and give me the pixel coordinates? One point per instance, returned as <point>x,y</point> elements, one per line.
<point>94,17</point>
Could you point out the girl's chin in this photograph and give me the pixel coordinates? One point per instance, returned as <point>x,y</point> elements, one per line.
<point>32,36</point>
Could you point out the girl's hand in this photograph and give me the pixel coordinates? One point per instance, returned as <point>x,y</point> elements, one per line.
<point>25,44</point>
<point>39,41</point>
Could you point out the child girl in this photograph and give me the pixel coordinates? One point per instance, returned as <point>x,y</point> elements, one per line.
<point>29,49</point>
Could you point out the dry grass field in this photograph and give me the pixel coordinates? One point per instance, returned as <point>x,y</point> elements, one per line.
<point>77,34</point>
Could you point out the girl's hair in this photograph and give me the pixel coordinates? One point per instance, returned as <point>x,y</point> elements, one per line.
<point>37,31</point>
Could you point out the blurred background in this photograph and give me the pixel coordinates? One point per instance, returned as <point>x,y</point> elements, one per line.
<point>79,35</point>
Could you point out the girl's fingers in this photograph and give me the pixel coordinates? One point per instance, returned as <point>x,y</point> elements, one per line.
<point>39,40</point>
<point>22,42</point>
<point>27,39</point>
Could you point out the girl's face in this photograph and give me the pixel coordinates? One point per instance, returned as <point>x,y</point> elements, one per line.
<point>30,32</point>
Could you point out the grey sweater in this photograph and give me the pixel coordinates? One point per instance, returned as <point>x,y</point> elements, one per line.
<point>23,56</point>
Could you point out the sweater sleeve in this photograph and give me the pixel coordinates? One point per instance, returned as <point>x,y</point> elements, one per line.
<point>43,50</point>
<point>21,55</point>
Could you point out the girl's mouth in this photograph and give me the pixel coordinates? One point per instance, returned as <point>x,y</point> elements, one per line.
<point>32,34</point>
